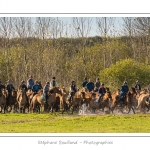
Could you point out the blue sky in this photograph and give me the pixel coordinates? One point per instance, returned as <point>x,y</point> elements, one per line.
<point>117,23</point>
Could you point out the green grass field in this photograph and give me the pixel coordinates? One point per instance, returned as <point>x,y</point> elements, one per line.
<point>57,123</point>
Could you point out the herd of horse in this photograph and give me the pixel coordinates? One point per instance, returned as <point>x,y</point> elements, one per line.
<point>28,102</point>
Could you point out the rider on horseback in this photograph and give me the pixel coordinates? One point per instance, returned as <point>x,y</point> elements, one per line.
<point>137,86</point>
<point>97,85</point>
<point>90,86</point>
<point>36,87</point>
<point>85,82</point>
<point>23,86</point>
<point>9,88</point>
<point>53,83</point>
<point>73,90</point>
<point>123,91</point>
<point>101,92</point>
<point>45,91</point>
<point>30,82</point>
<point>1,86</point>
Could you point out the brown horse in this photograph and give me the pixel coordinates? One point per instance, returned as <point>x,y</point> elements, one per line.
<point>68,106</point>
<point>96,104</point>
<point>12,102</point>
<point>37,102</point>
<point>29,94</point>
<point>3,95</point>
<point>129,99</point>
<point>52,100</point>
<point>142,102</point>
<point>23,101</point>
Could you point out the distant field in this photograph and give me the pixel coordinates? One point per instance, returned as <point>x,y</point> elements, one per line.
<point>57,123</point>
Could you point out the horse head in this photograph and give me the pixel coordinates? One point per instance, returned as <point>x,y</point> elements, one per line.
<point>132,91</point>
<point>14,93</point>
<point>55,90</point>
<point>4,92</point>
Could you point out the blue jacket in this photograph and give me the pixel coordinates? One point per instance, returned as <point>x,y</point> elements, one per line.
<point>124,89</point>
<point>30,83</point>
<point>90,86</point>
<point>36,88</point>
<point>84,83</point>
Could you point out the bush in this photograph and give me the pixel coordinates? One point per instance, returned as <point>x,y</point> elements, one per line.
<point>126,70</point>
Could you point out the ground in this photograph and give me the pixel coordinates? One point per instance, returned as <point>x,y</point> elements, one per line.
<point>58,123</point>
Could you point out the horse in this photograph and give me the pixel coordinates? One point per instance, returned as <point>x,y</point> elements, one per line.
<point>142,102</point>
<point>23,100</point>
<point>51,101</point>
<point>70,106</point>
<point>37,102</point>
<point>12,101</point>
<point>102,103</point>
<point>3,95</point>
<point>115,97</point>
<point>129,99</point>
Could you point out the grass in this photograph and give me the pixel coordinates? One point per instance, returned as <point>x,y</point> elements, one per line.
<point>57,123</point>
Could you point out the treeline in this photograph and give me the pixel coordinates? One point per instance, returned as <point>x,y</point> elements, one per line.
<point>39,51</point>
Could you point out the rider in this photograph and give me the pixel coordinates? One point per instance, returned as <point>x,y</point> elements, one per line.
<point>90,85</point>
<point>45,90</point>
<point>97,84</point>
<point>1,86</point>
<point>9,88</point>
<point>137,86</point>
<point>101,91</point>
<point>73,90</point>
<point>123,90</point>
<point>23,86</point>
<point>36,87</point>
<point>30,82</point>
<point>85,82</point>
<point>53,83</point>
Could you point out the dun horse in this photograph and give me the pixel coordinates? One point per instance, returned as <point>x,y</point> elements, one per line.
<point>3,95</point>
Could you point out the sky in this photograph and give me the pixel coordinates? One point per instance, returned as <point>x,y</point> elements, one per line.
<point>94,30</point>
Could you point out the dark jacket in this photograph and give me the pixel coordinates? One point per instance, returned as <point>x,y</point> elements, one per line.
<point>23,86</point>
<point>97,84</point>
<point>90,86</point>
<point>73,88</point>
<point>124,89</point>
<point>101,91</point>
<point>45,89</point>
<point>138,86</point>
<point>10,88</point>
<point>36,88</point>
<point>2,87</point>
<point>84,83</point>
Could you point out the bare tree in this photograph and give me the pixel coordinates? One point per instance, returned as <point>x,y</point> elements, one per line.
<point>104,26</point>
<point>82,27</point>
